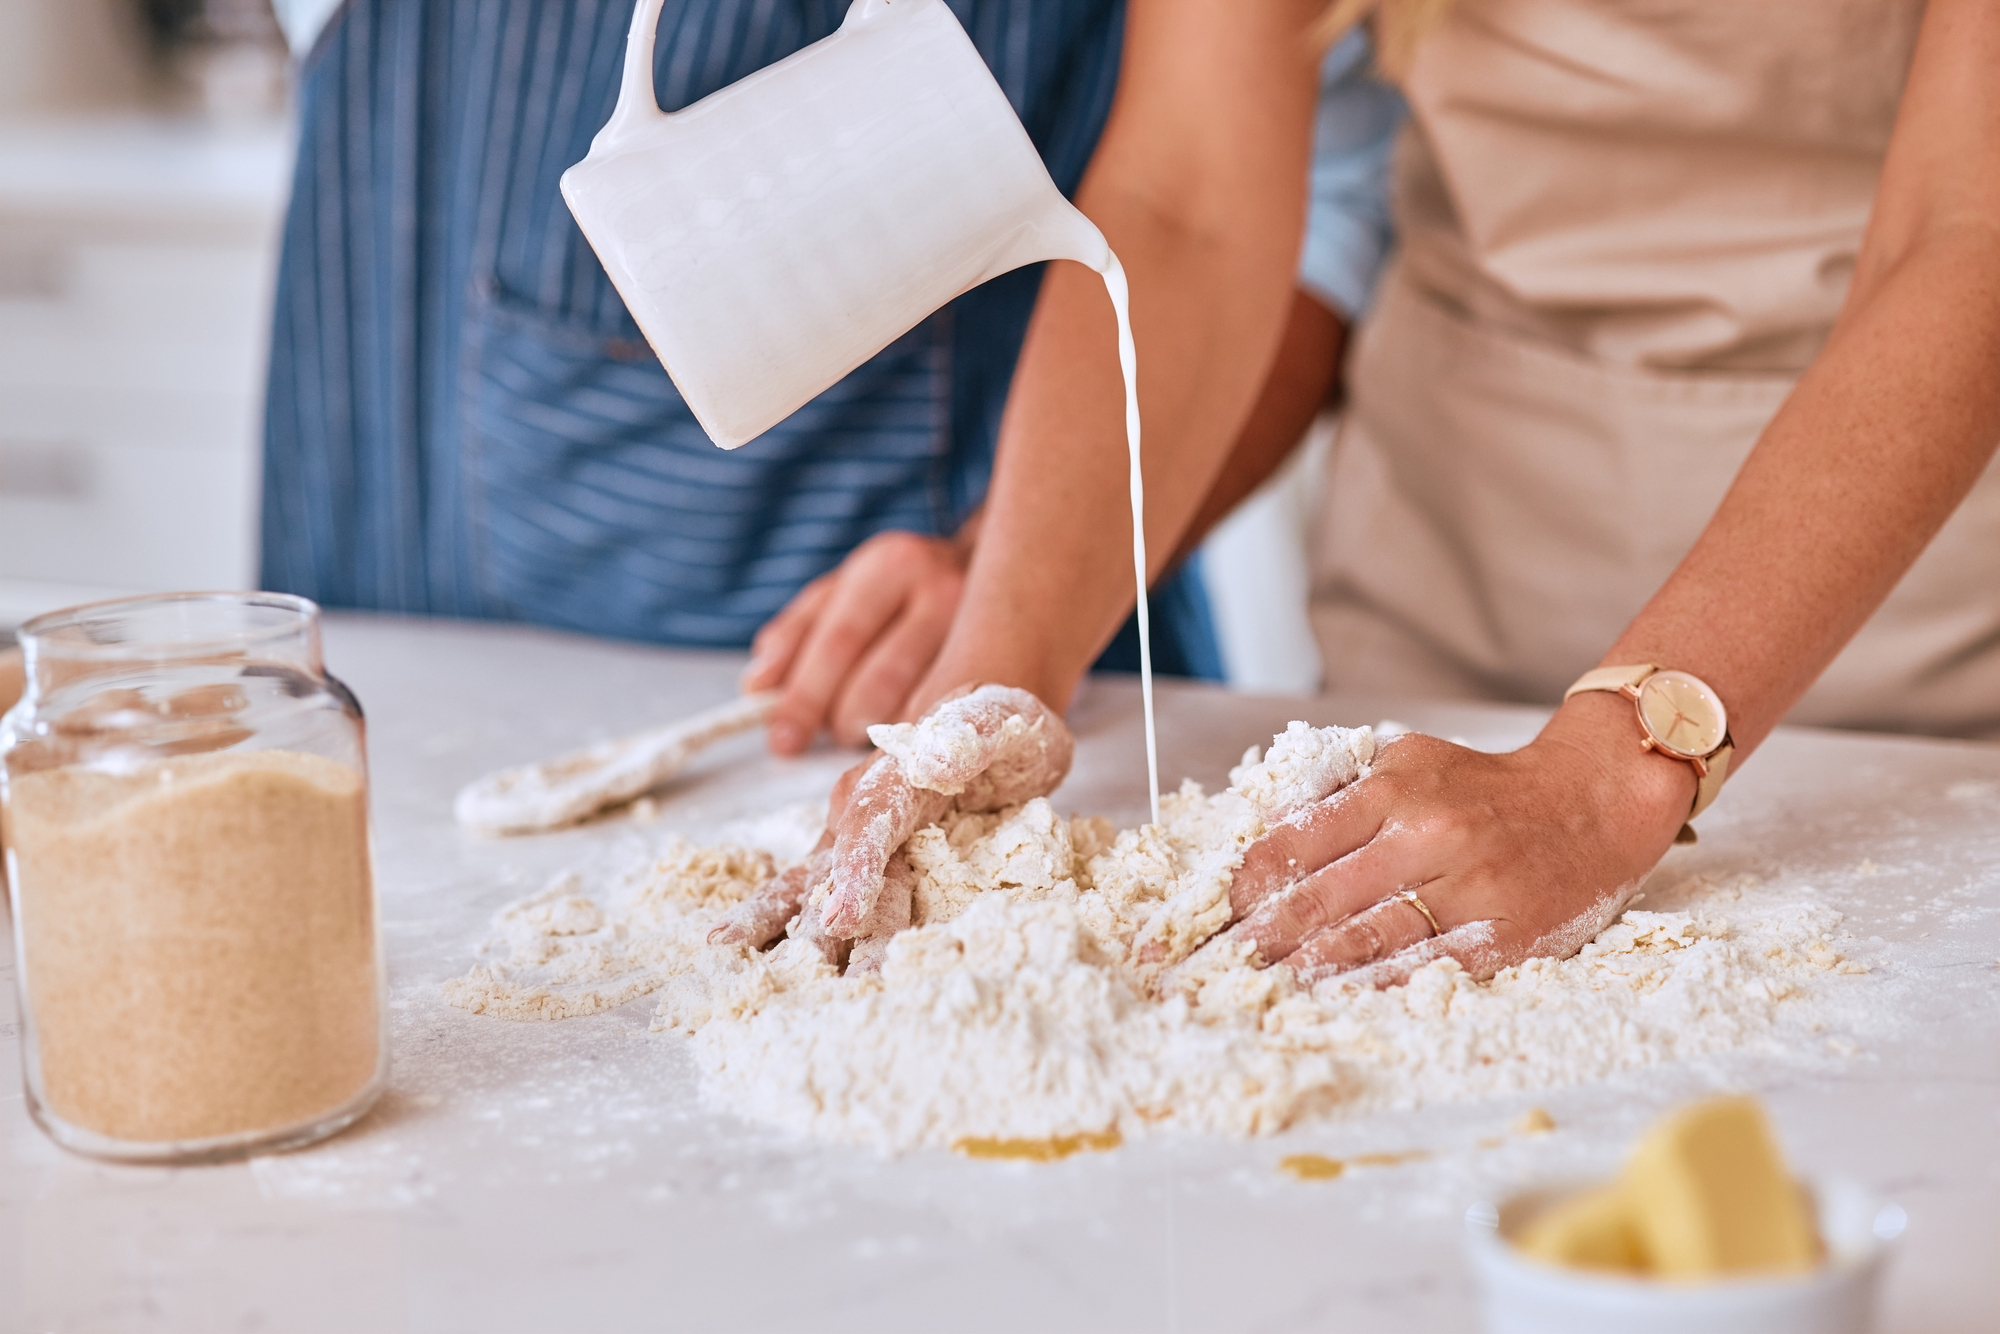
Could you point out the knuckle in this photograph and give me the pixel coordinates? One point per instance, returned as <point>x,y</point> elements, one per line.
<point>1393,784</point>
<point>1451,828</point>
<point>1299,910</point>
<point>899,546</point>
<point>942,588</point>
<point>842,641</point>
<point>1363,940</point>
<point>1275,858</point>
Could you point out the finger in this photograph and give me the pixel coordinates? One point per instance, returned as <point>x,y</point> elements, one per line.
<point>1302,843</point>
<point>777,642</point>
<point>878,819</point>
<point>1369,936</point>
<point>836,801</point>
<point>763,917</point>
<point>881,683</point>
<point>1482,948</point>
<point>1364,877</point>
<point>891,914</point>
<point>809,928</point>
<point>867,598</point>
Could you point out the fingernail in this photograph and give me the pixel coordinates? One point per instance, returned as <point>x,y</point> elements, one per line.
<point>787,738</point>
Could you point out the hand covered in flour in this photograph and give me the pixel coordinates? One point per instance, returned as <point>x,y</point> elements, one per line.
<point>849,648</point>
<point>1519,855</point>
<point>979,749</point>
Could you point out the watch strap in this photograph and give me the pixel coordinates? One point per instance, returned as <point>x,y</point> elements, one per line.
<point>1612,678</point>
<point>1709,786</point>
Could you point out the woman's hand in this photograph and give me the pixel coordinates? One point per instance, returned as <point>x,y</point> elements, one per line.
<point>1517,855</point>
<point>847,650</point>
<point>980,749</point>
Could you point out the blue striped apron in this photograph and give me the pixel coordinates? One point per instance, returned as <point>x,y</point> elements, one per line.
<point>463,420</point>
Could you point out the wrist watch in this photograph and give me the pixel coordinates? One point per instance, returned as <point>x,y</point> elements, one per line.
<point>1680,716</point>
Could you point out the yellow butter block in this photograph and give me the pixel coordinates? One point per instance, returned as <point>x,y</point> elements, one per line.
<point>1591,1231</point>
<point>1708,1194</point>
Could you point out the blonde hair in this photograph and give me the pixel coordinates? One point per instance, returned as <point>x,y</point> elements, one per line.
<point>1399,27</point>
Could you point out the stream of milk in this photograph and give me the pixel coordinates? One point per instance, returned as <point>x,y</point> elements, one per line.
<point>1128,366</point>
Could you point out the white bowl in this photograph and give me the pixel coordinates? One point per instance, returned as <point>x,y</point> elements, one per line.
<point>1526,1296</point>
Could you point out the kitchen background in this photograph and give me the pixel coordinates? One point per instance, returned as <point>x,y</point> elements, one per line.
<point>145,153</point>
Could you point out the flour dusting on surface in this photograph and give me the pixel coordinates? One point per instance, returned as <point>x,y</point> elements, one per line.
<point>1031,998</point>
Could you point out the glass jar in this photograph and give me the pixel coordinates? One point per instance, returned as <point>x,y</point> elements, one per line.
<point>184,804</point>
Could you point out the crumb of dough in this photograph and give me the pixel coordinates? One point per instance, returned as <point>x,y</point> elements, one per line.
<point>1311,1166</point>
<point>1534,1121</point>
<point>1039,1150</point>
<point>1048,989</point>
<point>1303,764</point>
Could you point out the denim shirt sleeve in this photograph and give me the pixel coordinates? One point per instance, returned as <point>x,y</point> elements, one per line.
<point>1348,234</point>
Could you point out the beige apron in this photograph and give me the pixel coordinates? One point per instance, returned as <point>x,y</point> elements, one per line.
<point>1625,230</point>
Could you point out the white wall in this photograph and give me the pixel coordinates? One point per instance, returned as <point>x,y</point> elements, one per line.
<point>136,254</point>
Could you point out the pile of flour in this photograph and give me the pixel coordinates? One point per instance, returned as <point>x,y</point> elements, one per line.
<point>1044,990</point>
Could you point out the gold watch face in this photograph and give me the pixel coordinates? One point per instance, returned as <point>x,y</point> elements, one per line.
<point>1681,714</point>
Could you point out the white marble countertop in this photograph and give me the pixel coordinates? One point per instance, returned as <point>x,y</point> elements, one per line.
<point>565,1176</point>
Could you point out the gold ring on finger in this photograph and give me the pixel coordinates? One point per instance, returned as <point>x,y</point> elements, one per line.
<point>1409,896</point>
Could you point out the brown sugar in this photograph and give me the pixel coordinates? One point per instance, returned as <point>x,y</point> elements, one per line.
<point>199,942</point>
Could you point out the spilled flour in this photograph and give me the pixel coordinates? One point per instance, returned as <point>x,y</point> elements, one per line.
<point>1044,990</point>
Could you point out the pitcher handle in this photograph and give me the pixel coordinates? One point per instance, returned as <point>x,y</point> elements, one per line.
<point>636,100</point>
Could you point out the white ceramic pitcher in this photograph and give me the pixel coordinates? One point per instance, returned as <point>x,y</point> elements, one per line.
<point>778,233</point>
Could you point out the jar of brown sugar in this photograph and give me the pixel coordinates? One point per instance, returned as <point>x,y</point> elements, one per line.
<point>184,805</point>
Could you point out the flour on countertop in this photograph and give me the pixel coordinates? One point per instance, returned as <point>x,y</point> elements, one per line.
<point>1025,1001</point>
<point>558,954</point>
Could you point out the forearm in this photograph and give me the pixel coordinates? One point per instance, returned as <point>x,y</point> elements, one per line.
<point>1303,379</point>
<point>1206,221</point>
<point>1888,430</point>
<point>1056,530</point>
<point>1875,448</point>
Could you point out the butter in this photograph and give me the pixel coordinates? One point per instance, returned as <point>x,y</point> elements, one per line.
<point>1591,1231</point>
<point>1709,1195</point>
<point>1704,1195</point>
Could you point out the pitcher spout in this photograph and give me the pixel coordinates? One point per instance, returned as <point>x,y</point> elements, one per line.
<point>1057,230</point>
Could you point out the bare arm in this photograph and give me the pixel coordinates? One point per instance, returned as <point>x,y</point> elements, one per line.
<point>1304,377</point>
<point>1889,429</point>
<point>1199,185</point>
<point>1532,852</point>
